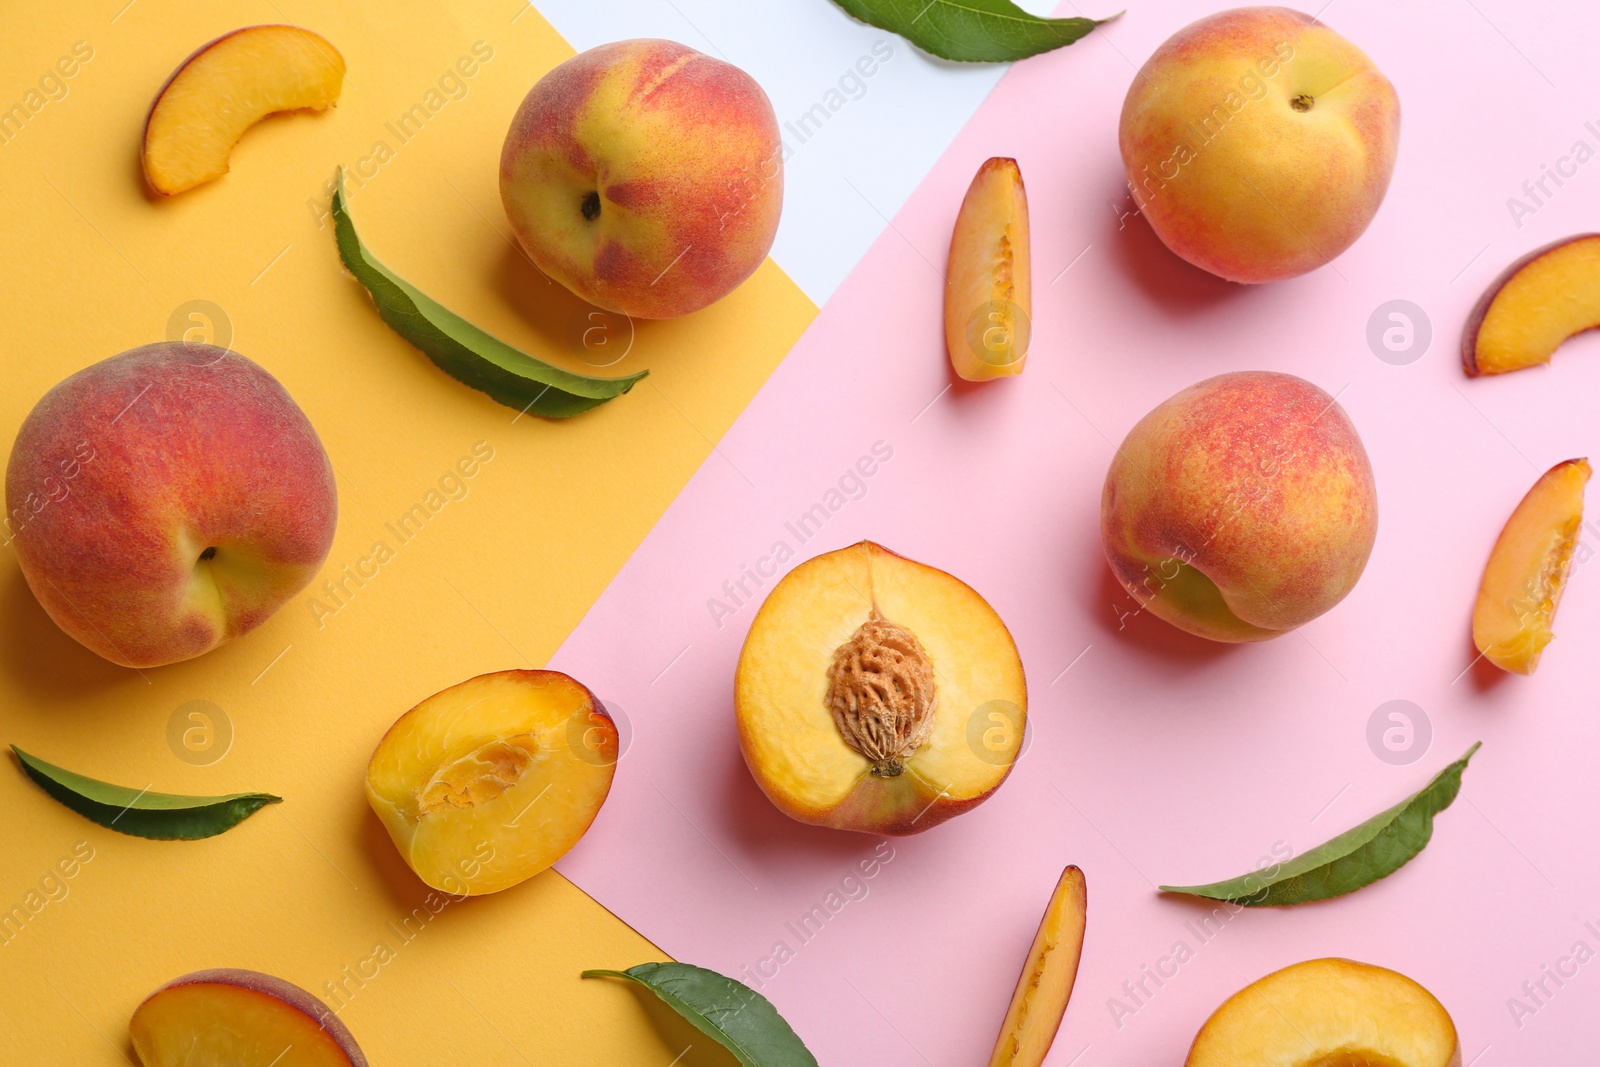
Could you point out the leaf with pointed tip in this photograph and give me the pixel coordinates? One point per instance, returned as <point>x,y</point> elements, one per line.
<point>971,31</point>
<point>1355,859</point>
<point>466,353</point>
<point>139,812</point>
<point>731,1013</point>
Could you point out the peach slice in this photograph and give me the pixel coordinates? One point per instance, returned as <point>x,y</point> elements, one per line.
<point>1047,978</point>
<point>226,87</point>
<point>491,781</point>
<point>877,694</point>
<point>1528,568</point>
<point>1533,306</point>
<point>237,1017</point>
<point>1328,1013</point>
<point>988,297</point>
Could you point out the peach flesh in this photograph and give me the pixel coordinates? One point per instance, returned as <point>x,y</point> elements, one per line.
<point>1535,304</point>
<point>224,88</point>
<point>792,690</point>
<point>489,782</point>
<point>1048,976</point>
<point>988,299</point>
<point>1528,568</point>
<point>230,1016</point>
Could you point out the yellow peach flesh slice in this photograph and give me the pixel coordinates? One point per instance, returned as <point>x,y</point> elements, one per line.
<point>491,781</point>
<point>225,88</point>
<point>1047,978</point>
<point>241,1018</point>
<point>1537,303</point>
<point>1329,1013</point>
<point>787,730</point>
<point>1527,570</point>
<point>988,301</point>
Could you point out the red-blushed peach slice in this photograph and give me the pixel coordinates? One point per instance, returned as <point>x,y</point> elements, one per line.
<point>226,87</point>
<point>491,781</point>
<point>227,1017</point>
<point>1537,303</point>
<point>988,297</point>
<point>878,694</point>
<point>1047,978</point>
<point>1328,1013</point>
<point>1528,568</point>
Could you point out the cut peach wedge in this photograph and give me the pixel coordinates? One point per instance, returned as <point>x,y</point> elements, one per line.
<point>226,87</point>
<point>988,297</point>
<point>1533,306</point>
<point>230,1016</point>
<point>491,781</point>
<point>1047,978</point>
<point>1528,568</point>
<point>1329,1013</point>
<point>878,694</point>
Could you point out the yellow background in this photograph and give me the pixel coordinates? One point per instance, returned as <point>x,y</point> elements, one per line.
<point>305,889</point>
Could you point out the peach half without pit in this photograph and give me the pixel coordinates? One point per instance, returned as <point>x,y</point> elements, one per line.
<point>1329,1013</point>
<point>878,694</point>
<point>1533,306</point>
<point>491,781</point>
<point>1528,568</point>
<point>226,87</point>
<point>230,1016</point>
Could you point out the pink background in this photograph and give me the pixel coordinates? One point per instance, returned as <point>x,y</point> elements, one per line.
<point>1156,757</point>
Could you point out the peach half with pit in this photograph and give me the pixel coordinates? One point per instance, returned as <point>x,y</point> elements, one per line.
<point>1528,569</point>
<point>231,1016</point>
<point>226,87</point>
<point>1329,1013</point>
<point>1534,306</point>
<point>878,694</point>
<point>491,781</point>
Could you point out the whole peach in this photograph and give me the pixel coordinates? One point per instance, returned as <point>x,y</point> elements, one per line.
<point>1241,508</point>
<point>166,500</point>
<point>645,177</point>
<point>1259,143</point>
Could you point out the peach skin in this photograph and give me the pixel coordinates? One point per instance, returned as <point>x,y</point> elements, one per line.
<point>166,500</point>
<point>1240,508</point>
<point>1259,143</point>
<point>645,177</point>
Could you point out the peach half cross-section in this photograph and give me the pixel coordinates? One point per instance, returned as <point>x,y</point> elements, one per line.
<point>491,781</point>
<point>226,87</point>
<point>1528,568</point>
<point>988,297</point>
<point>878,694</point>
<point>1048,975</point>
<point>229,1016</point>
<point>1533,306</point>
<point>1329,1013</point>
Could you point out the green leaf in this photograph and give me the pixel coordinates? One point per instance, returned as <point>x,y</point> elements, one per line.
<point>459,348</point>
<point>1356,858</point>
<point>973,31</point>
<point>139,812</point>
<point>736,1016</point>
